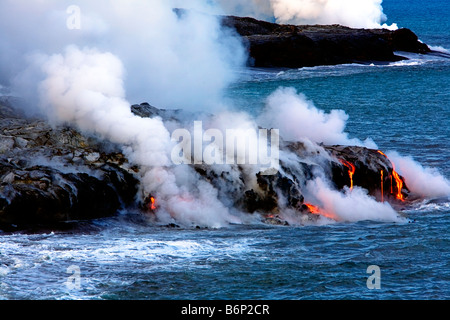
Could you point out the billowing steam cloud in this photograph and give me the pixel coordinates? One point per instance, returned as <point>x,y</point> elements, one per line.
<point>298,118</point>
<point>354,205</point>
<point>425,182</point>
<point>178,60</point>
<point>351,13</point>
<point>85,88</point>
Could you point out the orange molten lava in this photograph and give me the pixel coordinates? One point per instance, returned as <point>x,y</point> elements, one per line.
<point>382,186</point>
<point>398,180</point>
<point>381,152</point>
<point>316,210</point>
<point>399,185</point>
<point>351,170</point>
<point>152,203</point>
<point>312,209</point>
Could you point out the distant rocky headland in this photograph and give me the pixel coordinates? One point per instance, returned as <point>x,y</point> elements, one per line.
<point>296,46</point>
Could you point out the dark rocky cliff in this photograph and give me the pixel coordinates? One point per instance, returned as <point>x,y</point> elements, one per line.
<point>292,46</point>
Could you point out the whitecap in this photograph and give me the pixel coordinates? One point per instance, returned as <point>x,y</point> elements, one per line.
<point>439,49</point>
<point>4,270</point>
<point>406,63</point>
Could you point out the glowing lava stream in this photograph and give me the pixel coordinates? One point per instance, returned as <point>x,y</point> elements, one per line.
<point>397,178</point>
<point>316,210</point>
<point>351,170</point>
<point>152,203</point>
<point>399,185</point>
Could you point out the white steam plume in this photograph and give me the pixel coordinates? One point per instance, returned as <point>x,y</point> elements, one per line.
<point>351,206</point>
<point>84,88</point>
<point>351,13</point>
<point>422,181</point>
<point>175,60</point>
<point>298,118</point>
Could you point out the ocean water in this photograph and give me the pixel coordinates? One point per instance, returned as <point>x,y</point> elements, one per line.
<point>403,106</point>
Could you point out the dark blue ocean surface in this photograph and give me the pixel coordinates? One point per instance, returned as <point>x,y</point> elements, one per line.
<point>127,261</point>
<point>402,106</point>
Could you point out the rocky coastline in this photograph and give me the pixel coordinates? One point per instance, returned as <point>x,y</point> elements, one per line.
<point>53,175</point>
<point>50,176</point>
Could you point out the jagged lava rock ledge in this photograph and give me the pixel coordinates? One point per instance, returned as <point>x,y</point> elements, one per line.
<point>50,176</point>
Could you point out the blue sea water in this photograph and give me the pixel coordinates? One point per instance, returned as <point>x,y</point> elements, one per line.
<point>402,106</point>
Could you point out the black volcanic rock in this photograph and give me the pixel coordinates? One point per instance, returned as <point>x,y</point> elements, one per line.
<point>292,46</point>
<point>51,175</point>
<point>368,166</point>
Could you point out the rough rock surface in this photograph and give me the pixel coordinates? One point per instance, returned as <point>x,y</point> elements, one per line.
<point>51,175</point>
<point>295,46</point>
